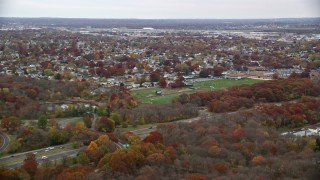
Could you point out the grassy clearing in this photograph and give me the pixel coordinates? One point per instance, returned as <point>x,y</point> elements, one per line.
<point>148,95</point>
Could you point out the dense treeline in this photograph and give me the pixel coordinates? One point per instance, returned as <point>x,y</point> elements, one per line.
<point>158,113</point>
<point>43,133</point>
<point>39,88</point>
<point>246,95</point>
<point>22,96</point>
<point>293,114</point>
<point>32,136</point>
<point>239,149</point>
<point>29,98</point>
<point>236,146</point>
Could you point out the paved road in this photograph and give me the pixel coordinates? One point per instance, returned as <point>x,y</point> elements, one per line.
<point>50,158</point>
<point>4,141</point>
<point>93,125</point>
<point>64,121</point>
<point>142,133</point>
<point>59,152</point>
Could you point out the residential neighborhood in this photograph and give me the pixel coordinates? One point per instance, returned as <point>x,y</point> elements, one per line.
<point>138,57</point>
<point>143,99</point>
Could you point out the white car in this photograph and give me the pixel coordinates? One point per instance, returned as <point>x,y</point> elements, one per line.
<point>51,148</point>
<point>35,153</point>
<point>44,157</point>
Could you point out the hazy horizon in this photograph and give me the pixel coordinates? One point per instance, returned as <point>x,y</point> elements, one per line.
<point>150,9</point>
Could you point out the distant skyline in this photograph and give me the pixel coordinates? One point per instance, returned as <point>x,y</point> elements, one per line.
<point>164,9</point>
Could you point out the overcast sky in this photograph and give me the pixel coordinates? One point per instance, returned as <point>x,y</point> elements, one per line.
<point>161,9</point>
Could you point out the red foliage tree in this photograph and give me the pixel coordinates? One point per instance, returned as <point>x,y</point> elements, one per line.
<point>162,82</point>
<point>154,137</point>
<point>155,76</point>
<point>217,70</point>
<point>30,164</point>
<point>196,176</point>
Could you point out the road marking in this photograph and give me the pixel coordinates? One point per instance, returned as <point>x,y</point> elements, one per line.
<point>4,143</point>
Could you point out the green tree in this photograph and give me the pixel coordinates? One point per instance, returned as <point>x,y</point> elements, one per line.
<point>58,76</point>
<point>14,145</point>
<point>5,90</point>
<point>83,158</point>
<point>42,122</point>
<point>56,136</point>
<point>182,68</point>
<point>116,117</point>
<point>103,111</point>
<point>48,72</point>
<point>318,144</point>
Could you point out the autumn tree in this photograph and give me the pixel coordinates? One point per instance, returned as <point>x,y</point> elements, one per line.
<point>155,159</point>
<point>162,82</point>
<point>75,173</point>
<point>155,76</point>
<point>258,160</point>
<point>5,123</point>
<point>217,70</point>
<point>93,152</point>
<point>30,164</point>
<point>104,124</point>
<point>88,121</point>
<point>122,160</point>
<point>15,145</point>
<point>154,137</point>
<point>18,173</point>
<point>196,176</point>
<point>10,123</point>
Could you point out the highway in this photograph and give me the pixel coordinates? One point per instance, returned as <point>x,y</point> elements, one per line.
<point>4,141</point>
<point>57,153</point>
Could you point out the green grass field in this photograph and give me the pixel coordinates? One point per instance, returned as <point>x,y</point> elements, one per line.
<point>223,83</point>
<point>148,95</point>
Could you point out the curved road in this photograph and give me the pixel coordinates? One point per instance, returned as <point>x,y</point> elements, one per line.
<point>4,141</point>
